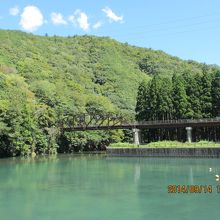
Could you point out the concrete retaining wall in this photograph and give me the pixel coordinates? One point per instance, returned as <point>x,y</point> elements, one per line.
<point>164,152</point>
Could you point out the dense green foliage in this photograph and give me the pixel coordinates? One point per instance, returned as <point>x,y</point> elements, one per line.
<point>186,96</point>
<point>44,79</point>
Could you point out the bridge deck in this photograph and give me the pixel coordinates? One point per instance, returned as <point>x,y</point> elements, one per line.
<point>210,122</point>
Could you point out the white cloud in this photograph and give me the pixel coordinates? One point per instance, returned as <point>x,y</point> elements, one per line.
<point>80,19</point>
<point>111,15</point>
<point>14,11</point>
<point>57,18</point>
<point>97,25</point>
<point>31,18</point>
<point>83,21</point>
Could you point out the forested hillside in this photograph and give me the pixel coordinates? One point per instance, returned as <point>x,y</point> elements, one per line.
<point>185,96</point>
<point>44,78</point>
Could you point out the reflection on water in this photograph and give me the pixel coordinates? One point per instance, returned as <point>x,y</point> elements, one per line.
<point>137,172</point>
<point>99,187</point>
<point>191,176</point>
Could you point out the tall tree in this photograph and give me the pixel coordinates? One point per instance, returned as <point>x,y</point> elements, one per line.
<point>193,90</point>
<point>142,103</point>
<point>165,104</point>
<point>206,96</point>
<point>216,94</point>
<point>154,93</point>
<point>180,100</point>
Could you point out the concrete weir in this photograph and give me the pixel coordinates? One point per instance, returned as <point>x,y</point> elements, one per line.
<point>163,152</point>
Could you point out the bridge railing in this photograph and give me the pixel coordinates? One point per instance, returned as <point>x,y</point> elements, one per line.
<point>157,123</point>
<point>163,122</point>
<point>178,121</point>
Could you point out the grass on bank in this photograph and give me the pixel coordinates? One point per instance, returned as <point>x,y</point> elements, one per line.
<point>169,144</point>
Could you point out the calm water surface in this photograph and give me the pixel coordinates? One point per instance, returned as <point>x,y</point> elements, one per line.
<point>96,187</point>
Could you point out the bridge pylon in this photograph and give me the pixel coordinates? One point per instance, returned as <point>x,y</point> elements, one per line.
<point>189,134</point>
<point>136,135</point>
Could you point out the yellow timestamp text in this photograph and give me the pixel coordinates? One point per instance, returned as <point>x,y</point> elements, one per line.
<point>193,188</point>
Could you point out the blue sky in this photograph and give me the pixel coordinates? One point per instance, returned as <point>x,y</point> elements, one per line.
<point>189,29</point>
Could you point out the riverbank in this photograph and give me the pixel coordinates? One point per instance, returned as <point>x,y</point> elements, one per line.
<point>166,149</point>
<point>164,152</point>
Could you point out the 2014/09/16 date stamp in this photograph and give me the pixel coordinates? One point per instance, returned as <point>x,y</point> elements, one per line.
<point>193,189</point>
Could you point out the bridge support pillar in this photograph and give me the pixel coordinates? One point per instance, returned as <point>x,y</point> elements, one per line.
<point>136,136</point>
<point>189,134</point>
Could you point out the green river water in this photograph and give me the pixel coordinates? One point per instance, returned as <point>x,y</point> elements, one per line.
<point>97,187</point>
